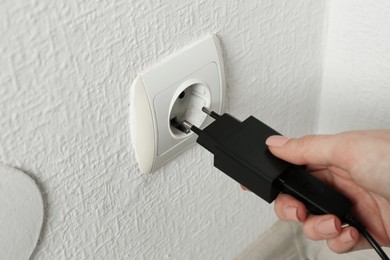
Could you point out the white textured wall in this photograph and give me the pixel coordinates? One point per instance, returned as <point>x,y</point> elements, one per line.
<point>65,72</point>
<point>356,82</point>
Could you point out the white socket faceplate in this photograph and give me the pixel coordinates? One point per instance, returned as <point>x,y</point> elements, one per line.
<point>197,68</point>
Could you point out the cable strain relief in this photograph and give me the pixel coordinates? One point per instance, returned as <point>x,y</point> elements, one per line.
<point>353,221</point>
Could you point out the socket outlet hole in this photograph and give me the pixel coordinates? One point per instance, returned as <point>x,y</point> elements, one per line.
<point>187,105</point>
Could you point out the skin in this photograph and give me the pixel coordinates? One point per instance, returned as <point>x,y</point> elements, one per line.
<point>355,163</point>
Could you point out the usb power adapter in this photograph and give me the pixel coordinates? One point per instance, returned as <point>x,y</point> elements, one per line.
<point>240,152</point>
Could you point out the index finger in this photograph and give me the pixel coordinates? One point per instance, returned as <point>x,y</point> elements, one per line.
<point>313,149</point>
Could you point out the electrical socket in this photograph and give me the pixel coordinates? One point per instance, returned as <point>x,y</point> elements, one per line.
<point>172,91</point>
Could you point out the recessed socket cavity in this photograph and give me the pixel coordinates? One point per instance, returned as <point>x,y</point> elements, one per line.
<point>187,104</point>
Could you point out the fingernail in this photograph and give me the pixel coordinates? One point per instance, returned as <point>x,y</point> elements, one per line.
<point>243,187</point>
<point>291,213</point>
<point>276,140</point>
<point>346,236</point>
<point>327,226</point>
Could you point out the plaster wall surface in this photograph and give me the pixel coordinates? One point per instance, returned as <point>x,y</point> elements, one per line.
<point>356,81</point>
<point>66,69</point>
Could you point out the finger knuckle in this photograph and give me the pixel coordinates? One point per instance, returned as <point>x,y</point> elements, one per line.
<point>304,143</point>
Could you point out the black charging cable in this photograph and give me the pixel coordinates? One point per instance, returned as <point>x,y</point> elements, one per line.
<point>240,152</point>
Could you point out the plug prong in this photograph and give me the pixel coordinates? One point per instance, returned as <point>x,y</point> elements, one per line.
<point>187,124</point>
<point>178,125</point>
<point>191,127</point>
<point>210,113</point>
<point>206,110</point>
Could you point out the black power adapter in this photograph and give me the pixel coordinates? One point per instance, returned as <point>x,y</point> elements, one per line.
<point>240,151</point>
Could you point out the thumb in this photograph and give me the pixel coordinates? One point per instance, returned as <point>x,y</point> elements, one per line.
<point>311,149</point>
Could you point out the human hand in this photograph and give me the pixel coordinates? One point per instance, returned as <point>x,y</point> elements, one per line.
<point>355,163</point>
